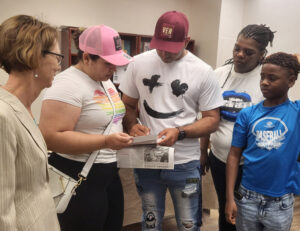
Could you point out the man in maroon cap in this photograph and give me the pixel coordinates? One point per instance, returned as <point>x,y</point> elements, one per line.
<point>170,86</point>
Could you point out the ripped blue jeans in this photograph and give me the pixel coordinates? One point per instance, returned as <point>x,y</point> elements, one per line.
<point>184,185</point>
<point>257,212</point>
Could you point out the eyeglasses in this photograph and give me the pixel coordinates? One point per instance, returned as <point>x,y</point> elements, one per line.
<point>59,57</point>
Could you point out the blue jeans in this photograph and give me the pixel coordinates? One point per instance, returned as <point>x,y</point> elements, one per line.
<point>184,185</point>
<point>258,212</point>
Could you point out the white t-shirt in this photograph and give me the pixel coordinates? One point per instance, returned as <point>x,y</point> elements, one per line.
<point>171,95</point>
<point>74,87</point>
<point>239,91</point>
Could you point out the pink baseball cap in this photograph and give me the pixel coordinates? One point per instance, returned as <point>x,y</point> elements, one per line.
<point>105,42</point>
<point>171,31</point>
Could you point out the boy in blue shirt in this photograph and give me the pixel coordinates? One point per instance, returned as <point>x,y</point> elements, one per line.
<point>267,135</point>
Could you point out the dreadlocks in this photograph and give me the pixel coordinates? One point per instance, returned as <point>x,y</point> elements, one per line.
<point>284,60</point>
<point>260,33</point>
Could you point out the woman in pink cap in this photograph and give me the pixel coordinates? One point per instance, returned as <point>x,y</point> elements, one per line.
<point>81,104</point>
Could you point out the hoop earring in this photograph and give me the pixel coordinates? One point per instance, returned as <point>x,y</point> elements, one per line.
<point>36,75</point>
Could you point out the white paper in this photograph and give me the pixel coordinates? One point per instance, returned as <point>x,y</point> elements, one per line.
<point>150,139</point>
<point>146,156</point>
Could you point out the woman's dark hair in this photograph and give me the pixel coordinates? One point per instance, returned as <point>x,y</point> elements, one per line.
<point>260,33</point>
<point>75,36</point>
<point>80,53</point>
<point>285,60</point>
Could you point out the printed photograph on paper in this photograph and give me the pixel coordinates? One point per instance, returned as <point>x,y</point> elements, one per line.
<point>146,156</point>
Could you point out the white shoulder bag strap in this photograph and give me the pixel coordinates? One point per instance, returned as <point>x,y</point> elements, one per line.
<point>90,161</point>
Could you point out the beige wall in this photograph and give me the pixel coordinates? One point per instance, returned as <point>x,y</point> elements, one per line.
<point>131,16</point>
<point>136,16</point>
<point>205,19</point>
<point>231,16</point>
<point>214,24</point>
<point>281,16</point>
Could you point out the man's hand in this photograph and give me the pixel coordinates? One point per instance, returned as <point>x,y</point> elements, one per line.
<point>139,130</point>
<point>168,136</point>
<point>204,162</point>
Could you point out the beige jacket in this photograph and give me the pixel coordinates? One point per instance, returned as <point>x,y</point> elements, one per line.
<point>25,198</point>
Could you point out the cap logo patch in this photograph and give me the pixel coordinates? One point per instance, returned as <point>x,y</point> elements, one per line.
<point>126,56</point>
<point>118,45</point>
<point>167,30</point>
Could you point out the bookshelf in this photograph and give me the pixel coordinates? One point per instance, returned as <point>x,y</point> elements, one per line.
<point>136,43</point>
<point>68,46</point>
<point>133,44</point>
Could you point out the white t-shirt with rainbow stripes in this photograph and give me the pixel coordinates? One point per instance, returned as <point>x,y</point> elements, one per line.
<point>74,87</point>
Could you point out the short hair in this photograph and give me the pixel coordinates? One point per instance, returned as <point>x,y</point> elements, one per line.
<point>260,33</point>
<point>284,60</point>
<point>80,54</point>
<point>23,40</point>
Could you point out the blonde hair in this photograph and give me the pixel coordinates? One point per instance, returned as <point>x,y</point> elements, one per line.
<point>23,40</point>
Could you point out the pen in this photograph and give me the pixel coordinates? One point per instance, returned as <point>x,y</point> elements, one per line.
<point>145,130</point>
<point>139,121</point>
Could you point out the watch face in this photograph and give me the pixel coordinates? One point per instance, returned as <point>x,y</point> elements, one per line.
<point>181,135</point>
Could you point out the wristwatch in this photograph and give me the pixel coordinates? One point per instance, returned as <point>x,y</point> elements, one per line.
<point>181,134</point>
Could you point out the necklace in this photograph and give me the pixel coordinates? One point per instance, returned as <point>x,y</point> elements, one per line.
<point>227,77</point>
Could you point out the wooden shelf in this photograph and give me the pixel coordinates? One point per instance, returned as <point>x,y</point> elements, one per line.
<point>68,46</point>
<point>141,43</point>
<point>132,44</point>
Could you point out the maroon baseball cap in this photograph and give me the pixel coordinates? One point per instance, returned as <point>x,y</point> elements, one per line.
<point>171,31</point>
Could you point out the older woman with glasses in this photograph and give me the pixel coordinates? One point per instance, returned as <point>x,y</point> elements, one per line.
<point>59,57</point>
<point>30,54</point>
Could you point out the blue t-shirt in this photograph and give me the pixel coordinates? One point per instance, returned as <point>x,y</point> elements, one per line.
<point>270,137</point>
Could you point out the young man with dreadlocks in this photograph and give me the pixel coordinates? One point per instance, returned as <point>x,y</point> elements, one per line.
<point>239,80</point>
<point>267,136</point>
